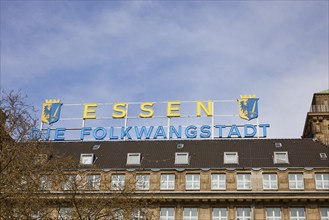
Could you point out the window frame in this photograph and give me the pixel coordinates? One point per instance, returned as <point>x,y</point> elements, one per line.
<point>63,212</point>
<point>87,162</point>
<point>243,217</point>
<point>167,183</point>
<point>295,181</point>
<point>141,214</point>
<point>93,183</point>
<point>166,212</point>
<point>118,214</point>
<point>220,216</point>
<point>120,182</point>
<point>272,183</point>
<point>45,182</point>
<point>69,182</point>
<point>245,181</point>
<point>326,210</point>
<point>297,217</point>
<point>323,156</point>
<point>145,184</point>
<point>195,184</point>
<point>276,159</point>
<point>132,161</point>
<point>217,181</point>
<point>324,183</point>
<point>228,160</point>
<point>273,216</point>
<point>190,215</point>
<point>184,161</point>
<point>38,214</point>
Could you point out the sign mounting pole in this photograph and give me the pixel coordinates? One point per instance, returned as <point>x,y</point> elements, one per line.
<point>126,120</point>
<point>212,121</point>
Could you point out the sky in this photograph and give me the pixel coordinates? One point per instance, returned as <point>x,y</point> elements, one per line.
<point>138,51</point>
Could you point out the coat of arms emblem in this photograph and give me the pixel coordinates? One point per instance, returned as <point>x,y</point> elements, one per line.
<point>51,110</point>
<point>248,107</point>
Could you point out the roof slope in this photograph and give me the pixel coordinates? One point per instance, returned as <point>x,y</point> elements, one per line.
<point>203,153</point>
<point>325,91</point>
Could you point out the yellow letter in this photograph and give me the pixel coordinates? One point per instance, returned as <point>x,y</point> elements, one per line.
<point>173,109</point>
<point>208,111</point>
<point>118,109</point>
<point>149,110</point>
<point>89,111</point>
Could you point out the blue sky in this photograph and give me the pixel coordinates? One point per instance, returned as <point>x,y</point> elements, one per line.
<point>132,51</point>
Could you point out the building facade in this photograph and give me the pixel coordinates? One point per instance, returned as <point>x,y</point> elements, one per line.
<point>317,119</point>
<point>198,179</point>
<point>210,179</point>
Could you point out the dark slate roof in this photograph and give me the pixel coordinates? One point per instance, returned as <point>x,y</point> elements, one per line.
<point>253,153</point>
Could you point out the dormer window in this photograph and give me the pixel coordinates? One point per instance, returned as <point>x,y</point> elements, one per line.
<point>323,156</point>
<point>278,144</point>
<point>280,157</point>
<point>96,146</point>
<point>181,158</point>
<point>231,158</point>
<point>86,159</point>
<point>133,159</point>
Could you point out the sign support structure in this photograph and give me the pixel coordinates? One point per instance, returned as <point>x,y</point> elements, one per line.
<point>212,128</point>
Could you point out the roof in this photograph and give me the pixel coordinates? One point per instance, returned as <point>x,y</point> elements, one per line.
<point>253,153</point>
<point>324,91</point>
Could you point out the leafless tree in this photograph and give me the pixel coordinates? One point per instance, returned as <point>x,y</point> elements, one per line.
<point>18,115</point>
<point>37,182</point>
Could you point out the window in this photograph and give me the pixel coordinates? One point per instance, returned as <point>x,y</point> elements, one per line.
<point>323,156</point>
<point>143,182</point>
<point>231,158</point>
<point>270,181</point>
<point>278,144</point>
<point>133,159</point>
<point>96,146</point>
<point>86,159</point>
<point>45,182</point>
<point>190,213</point>
<point>38,215</point>
<point>297,214</point>
<point>65,214</point>
<point>324,212</point>
<point>218,181</point>
<point>69,182</point>
<point>41,158</point>
<point>243,214</point>
<point>167,214</point>
<point>16,213</point>
<point>244,181</point>
<point>93,182</point>
<point>139,214</point>
<point>192,181</point>
<point>117,182</point>
<point>88,213</point>
<point>273,214</point>
<point>167,181</point>
<point>322,180</point>
<point>25,180</point>
<point>280,157</point>
<point>296,181</point>
<point>219,214</point>
<point>118,214</point>
<point>181,158</point>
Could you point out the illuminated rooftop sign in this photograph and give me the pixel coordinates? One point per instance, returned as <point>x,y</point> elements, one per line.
<point>149,120</point>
